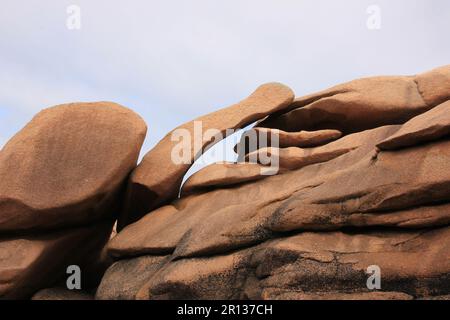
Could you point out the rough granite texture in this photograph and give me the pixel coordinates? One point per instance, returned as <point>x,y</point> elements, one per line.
<point>363,181</point>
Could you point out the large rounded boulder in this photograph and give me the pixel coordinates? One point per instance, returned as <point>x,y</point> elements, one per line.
<point>61,188</point>
<point>67,165</point>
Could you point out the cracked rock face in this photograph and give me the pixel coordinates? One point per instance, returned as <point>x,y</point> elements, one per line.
<point>364,181</point>
<point>65,167</point>
<point>366,103</point>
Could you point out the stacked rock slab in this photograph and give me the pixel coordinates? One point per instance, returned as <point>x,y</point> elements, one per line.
<point>224,174</point>
<point>377,196</point>
<point>310,265</point>
<point>151,188</point>
<point>61,188</point>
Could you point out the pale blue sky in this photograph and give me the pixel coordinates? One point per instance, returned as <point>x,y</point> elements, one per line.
<point>172,61</point>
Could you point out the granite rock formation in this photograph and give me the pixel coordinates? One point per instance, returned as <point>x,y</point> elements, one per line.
<point>149,189</point>
<point>61,188</point>
<point>363,184</point>
<point>364,181</point>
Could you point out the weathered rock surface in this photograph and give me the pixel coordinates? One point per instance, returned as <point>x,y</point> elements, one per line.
<point>29,263</point>
<point>428,126</point>
<point>377,196</point>
<point>150,188</point>
<point>116,285</point>
<point>224,174</point>
<point>61,190</point>
<point>366,103</point>
<point>311,265</point>
<point>262,138</point>
<point>274,294</point>
<point>296,158</point>
<point>359,187</point>
<point>61,294</point>
<point>366,187</point>
<point>434,85</point>
<point>68,165</point>
<point>223,220</point>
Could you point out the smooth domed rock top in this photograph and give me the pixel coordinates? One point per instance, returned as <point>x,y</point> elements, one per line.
<point>150,188</point>
<point>67,166</point>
